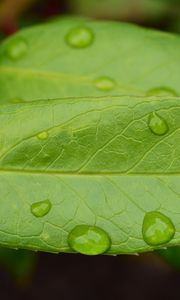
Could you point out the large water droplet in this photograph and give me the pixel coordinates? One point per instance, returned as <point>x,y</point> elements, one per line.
<point>105,83</point>
<point>16,48</point>
<point>40,209</point>
<point>157,124</point>
<point>162,91</point>
<point>157,228</point>
<point>80,37</point>
<point>89,240</point>
<point>43,135</point>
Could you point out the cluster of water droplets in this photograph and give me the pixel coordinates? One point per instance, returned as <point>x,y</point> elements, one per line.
<point>157,228</point>
<point>80,37</point>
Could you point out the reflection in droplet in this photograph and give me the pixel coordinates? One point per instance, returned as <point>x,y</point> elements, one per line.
<point>41,208</point>
<point>157,228</point>
<point>105,84</point>
<point>157,124</point>
<point>89,240</point>
<point>80,37</point>
<point>43,135</point>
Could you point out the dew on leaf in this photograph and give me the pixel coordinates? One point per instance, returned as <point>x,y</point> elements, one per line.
<point>41,208</point>
<point>89,240</point>
<point>162,91</point>
<point>157,229</point>
<point>157,124</point>
<point>105,83</point>
<point>80,37</point>
<point>16,49</point>
<point>43,135</point>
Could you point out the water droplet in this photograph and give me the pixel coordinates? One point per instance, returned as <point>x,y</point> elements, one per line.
<point>157,124</point>
<point>80,37</point>
<point>40,209</point>
<point>105,84</point>
<point>89,240</point>
<point>43,135</point>
<point>157,228</point>
<point>162,91</point>
<point>16,48</point>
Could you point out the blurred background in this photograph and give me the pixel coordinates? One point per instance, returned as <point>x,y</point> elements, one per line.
<point>161,14</point>
<point>28,275</point>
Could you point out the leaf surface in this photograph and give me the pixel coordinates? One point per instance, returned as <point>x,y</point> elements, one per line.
<point>136,59</point>
<point>98,163</point>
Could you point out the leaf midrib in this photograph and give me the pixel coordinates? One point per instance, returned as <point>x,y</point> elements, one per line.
<point>49,75</point>
<point>56,173</point>
<point>66,77</point>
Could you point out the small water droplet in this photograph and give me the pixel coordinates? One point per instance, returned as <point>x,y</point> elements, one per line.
<point>157,124</point>
<point>43,135</point>
<point>157,228</point>
<point>105,84</point>
<point>89,240</point>
<point>80,37</point>
<point>40,209</point>
<point>16,48</point>
<point>162,91</point>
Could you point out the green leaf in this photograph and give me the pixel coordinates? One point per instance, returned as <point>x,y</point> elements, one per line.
<point>40,63</point>
<point>89,161</point>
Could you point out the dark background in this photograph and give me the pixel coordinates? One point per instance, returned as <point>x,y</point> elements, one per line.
<point>79,277</point>
<point>161,14</point>
<point>24,275</point>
